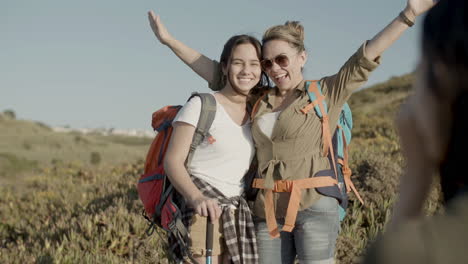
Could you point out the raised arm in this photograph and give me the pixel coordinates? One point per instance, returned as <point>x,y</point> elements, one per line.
<point>395,29</point>
<point>199,63</point>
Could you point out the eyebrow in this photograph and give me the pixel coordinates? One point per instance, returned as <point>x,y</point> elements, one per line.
<point>282,53</point>
<point>237,59</point>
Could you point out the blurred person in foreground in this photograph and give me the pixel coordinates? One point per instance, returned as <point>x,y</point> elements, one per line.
<point>433,127</point>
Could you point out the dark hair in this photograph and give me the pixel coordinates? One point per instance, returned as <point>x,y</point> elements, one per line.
<point>445,43</point>
<point>237,40</point>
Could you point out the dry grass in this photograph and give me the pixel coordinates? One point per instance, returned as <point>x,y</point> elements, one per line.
<point>71,212</point>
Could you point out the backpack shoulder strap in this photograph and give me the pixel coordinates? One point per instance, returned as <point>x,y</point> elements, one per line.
<point>316,98</point>
<point>207,115</point>
<point>254,109</point>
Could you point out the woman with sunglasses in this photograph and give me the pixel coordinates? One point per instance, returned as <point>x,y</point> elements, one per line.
<point>289,143</point>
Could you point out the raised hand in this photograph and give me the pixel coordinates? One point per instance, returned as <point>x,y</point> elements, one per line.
<point>418,7</point>
<point>160,31</point>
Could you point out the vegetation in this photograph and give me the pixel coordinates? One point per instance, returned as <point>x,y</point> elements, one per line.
<point>67,211</point>
<point>35,141</point>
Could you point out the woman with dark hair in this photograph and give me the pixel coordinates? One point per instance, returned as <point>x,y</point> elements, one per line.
<point>212,184</point>
<point>433,127</point>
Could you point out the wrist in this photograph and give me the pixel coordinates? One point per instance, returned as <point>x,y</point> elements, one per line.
<point>407,17</point>
<point>409,13</point>
<point>192,198</point>
<point>170,41</point>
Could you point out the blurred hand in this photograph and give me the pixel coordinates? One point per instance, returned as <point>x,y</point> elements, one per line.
<point>205,206</point>
<point>158,28</point>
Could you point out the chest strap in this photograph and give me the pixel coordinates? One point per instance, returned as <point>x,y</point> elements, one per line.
<point>295,188</point>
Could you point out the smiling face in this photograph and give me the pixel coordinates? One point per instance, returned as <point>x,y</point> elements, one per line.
<point>243,69</point>
<point>288,76</point>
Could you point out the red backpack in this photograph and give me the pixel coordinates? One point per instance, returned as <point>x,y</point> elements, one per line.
<point>162,203</point>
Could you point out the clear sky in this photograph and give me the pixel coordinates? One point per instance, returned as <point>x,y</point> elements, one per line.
<point>92,64</point>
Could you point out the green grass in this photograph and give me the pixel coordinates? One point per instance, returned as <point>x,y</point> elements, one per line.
<point>65,210</point>
<point>70,215</point>
<point>12,165</point>
<point>36,141</point>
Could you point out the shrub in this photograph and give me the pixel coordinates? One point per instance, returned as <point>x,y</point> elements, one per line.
<point>10,114</point>
<point>95,158</point>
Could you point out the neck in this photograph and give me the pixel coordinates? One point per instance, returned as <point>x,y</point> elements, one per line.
<point>284,92</point>
<point>232,95</point>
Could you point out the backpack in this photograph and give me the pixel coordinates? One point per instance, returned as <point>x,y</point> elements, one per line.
<point>334,182</point>
<point>336,147</point>
<point>163,206</point>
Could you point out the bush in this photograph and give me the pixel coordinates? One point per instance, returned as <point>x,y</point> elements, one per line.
<point>10,114</point>
<point>95,158</point>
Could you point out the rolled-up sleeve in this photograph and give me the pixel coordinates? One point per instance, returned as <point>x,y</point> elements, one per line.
<point>351,76</point>
<point>217,82</point>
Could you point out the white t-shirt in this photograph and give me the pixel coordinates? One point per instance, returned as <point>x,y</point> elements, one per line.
<point>267,122</point>
<point>223,163</point>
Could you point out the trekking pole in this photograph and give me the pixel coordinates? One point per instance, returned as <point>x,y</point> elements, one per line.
<point>209,240</point>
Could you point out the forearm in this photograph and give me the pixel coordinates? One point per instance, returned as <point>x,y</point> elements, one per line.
<point>385,38</point>
<point>181,180</point>
<point>198,62</point>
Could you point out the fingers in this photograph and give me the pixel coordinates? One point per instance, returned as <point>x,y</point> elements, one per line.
<point>208,208</point>
<point>214,210</point>
<point>201,208</point>
<point>151,15</point>
<point>151,18</point>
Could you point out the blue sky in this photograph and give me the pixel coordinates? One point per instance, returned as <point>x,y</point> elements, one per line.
<point>97,63</point>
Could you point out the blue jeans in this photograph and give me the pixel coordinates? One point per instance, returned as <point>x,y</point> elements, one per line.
<point>313,238</point>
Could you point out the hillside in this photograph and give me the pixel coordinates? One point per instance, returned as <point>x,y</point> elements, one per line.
<point>26,145</point>
<point>92,214</point>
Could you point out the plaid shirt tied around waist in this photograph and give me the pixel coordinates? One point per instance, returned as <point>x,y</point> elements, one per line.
<point>238,228</point>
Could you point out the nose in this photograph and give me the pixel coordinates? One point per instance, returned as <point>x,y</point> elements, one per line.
<point>274,67</point>
<point>246,69</point>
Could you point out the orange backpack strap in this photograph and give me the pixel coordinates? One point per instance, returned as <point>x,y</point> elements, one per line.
<point>347,171</point>
<point>317,101</point>
<point>257,104</point>
<point>295,188</point>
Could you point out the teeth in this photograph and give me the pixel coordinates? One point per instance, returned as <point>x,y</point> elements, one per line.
<point>280,76</point>
<point>244,80</point>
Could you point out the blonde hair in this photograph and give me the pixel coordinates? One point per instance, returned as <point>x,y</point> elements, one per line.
<point>291,32</point>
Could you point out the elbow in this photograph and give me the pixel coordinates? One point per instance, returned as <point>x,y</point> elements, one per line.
<point>168,166</point>
<point>171,165</point>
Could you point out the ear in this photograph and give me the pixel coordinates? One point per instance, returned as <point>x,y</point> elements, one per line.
<point>303,57</point>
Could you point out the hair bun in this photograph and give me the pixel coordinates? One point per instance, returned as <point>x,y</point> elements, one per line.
<point>295,26</point>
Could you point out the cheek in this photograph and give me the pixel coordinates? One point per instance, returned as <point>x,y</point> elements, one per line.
<point>258,74</point>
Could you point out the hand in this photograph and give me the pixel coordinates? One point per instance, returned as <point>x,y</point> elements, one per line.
<point>205,206</point>
<point>158,28</point>
<point>415,8</point>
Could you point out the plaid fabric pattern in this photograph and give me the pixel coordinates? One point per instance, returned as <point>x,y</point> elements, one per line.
<point>238,229</point>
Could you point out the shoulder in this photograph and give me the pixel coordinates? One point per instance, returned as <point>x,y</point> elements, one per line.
<point>190,112</point>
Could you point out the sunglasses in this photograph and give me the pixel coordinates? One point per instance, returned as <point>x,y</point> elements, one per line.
<point>282,60</point>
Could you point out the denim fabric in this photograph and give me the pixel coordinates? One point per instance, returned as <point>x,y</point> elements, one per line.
<point>312,240</point>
